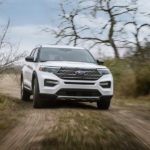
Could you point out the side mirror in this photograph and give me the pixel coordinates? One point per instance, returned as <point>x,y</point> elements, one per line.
<point>100,62</point>
<point>29,59</point>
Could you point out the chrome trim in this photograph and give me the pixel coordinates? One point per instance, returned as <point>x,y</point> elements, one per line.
<point>78,97</point>
<point>78,74</point>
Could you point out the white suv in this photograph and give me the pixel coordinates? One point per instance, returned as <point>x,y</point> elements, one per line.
<point>65,73</point>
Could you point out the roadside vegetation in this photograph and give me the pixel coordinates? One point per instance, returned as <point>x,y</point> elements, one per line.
<point>9,113</point>
<point>132,75</point>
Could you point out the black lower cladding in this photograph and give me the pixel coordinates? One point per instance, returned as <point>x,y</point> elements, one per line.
<point>78,92</point>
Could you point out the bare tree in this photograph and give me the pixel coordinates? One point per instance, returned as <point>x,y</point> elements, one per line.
<point>134,40</point>
<point>136,35</point>
<point>8,55</point>
<point>70,32</point>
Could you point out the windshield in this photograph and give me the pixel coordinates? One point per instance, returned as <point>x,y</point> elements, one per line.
<point>60,54</point>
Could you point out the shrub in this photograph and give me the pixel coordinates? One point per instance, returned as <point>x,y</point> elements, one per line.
<point>142,76</point>
<point>131,76</point>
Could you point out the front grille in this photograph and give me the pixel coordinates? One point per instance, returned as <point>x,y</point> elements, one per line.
<point>78,74</point>
<point>78,92</point>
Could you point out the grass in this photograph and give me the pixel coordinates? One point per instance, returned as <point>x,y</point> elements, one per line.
<point>9,113</point>
<point>89,130</point>
<point>142,101</point>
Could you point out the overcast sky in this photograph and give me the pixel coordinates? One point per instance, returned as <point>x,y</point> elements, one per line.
<point>29,17</point>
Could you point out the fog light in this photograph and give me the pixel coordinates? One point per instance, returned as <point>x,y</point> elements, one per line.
<point>106,84</point>
<point>51,83</point>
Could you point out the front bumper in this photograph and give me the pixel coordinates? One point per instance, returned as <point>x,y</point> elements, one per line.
<point>75,85</point>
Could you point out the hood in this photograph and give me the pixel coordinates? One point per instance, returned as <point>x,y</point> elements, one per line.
<point>71,64</point>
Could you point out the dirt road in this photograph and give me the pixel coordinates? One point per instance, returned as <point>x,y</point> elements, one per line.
<point>38,127</point>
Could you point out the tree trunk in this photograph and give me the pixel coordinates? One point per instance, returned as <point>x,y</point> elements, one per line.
<point>115,49</point>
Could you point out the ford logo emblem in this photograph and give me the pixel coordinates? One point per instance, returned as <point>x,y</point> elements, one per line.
<point>80,73</point>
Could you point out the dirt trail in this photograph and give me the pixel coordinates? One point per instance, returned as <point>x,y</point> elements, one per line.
<point>9,85</point>
<point>37,123</point>
<point>140,127</point>
<point>30,131</point>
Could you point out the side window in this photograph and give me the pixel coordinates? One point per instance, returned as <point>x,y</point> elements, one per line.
<point>35,54</point>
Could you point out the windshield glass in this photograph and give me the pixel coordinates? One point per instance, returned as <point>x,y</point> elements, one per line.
<point>60,54</point>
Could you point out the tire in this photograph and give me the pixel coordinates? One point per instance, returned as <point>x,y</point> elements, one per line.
<point>25,94</point>
<point>36,95</point>
<point>104,103</point>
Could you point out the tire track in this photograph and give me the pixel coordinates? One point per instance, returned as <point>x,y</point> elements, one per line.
<point>140,128</point>
<point>30,131</point>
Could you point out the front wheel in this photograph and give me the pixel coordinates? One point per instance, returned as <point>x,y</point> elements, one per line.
<point>25,94</point>
<point>104,103</point>
<point>36,95</point>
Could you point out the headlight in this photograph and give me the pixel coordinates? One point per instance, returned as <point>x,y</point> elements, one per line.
<point>103,71</point>
<point>49,69</point>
